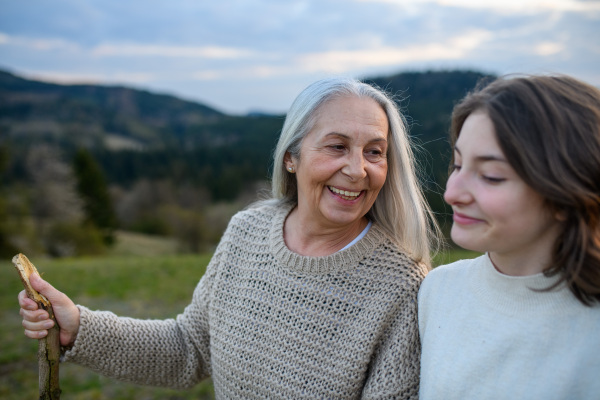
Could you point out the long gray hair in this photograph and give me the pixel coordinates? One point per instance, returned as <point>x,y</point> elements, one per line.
<point>400,208</point>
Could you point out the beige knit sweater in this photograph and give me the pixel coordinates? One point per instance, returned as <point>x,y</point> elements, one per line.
<point>265,322</point>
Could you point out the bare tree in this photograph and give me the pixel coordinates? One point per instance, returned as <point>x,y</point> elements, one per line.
<point>54,198</point>
<point>54,193</point>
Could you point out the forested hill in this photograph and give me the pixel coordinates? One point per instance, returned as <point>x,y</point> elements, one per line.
<point>52,111</point>
<point>136,134</point>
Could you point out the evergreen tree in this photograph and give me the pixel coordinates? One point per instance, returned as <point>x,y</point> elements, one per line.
<point>7,249</point>
<point>93,189</point>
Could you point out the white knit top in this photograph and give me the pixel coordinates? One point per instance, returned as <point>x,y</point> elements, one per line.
<point>486,335</point>
<point>265,322</point>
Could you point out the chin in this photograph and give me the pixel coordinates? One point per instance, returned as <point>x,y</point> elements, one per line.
<point>466,242</point>
<point>343,218</point>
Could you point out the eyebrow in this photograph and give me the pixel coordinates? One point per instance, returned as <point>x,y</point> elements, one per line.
<point>485,157</point>
<point>348,137</point>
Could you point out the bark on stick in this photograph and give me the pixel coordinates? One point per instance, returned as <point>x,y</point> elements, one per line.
<point>48,347</point>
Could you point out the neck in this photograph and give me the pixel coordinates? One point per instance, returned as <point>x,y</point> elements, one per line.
<point>519,265</point>
<point>308,239</point>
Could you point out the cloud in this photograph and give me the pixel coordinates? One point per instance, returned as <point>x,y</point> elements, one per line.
<point>548,48</point>
<point>503,5</point>
<point>126,49</point>
<point>351,61</point>
<point>66,77</point>
<point>172,51</point>
<point>207,75</point>
<point>40,44</point>
<point>260,53</point>
<point>250,71</point>
<point>342,61</point>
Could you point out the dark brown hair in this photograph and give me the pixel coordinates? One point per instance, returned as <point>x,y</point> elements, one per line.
<point>548,127</point>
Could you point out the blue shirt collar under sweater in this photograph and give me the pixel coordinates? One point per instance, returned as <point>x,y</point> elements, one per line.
<point>347,259</point>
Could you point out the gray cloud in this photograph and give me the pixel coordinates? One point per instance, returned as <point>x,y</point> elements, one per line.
<point>241,55</point>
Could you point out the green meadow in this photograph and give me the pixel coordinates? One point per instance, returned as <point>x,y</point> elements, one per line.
<point>157,285</point>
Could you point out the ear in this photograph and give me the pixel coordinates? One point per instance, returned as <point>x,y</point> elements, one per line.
<point>560,216</point>
<point>288,161</point>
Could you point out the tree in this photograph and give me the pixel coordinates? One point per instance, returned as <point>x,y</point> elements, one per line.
<point>53,188</point>
<point>56,207</point>
<point>6,247</point>
<point>93,190</point>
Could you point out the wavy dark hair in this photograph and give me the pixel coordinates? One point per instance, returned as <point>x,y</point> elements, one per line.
<point>548,127</point>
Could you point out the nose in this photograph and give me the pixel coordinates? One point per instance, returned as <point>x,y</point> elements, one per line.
<point>355,166</point>
<point>457,189</point>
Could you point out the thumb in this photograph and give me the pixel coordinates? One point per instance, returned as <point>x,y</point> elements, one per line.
<point>65,311</point>
<point>46,289</point>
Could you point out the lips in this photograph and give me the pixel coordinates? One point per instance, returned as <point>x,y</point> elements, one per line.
<point>463,219</point>
<point>345,194</point>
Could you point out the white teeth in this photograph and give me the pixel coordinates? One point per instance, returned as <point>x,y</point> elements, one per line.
<point>344,192</point>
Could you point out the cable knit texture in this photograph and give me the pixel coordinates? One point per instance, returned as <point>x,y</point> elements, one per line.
<point>486,335</point>
<point>265,322</point>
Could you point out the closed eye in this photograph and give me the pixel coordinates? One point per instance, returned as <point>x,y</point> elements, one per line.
<point>492,179</point>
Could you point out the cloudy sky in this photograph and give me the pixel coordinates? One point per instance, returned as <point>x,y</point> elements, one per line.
<point>256,55</point>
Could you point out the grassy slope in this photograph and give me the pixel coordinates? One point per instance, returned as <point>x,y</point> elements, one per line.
<point>142,287</point>
<point>157,286</point>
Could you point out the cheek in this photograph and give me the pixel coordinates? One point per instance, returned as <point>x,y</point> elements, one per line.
<point>516,209</point>
<point>379,176</point>
<point>497,208</point>
<point>535,214</point>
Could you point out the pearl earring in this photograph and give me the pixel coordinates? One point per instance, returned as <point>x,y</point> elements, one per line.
<point>291,169</point>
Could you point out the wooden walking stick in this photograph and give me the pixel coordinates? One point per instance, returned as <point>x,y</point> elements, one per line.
<point>48,347</point>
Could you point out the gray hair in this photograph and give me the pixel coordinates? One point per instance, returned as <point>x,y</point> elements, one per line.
<point>400,208</point>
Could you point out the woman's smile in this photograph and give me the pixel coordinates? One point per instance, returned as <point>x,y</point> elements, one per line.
<point>495,211</point>
<point>342,164</point>
<point>463,219</point>
<point>345,194</point>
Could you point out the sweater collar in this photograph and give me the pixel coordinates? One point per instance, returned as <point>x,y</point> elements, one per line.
<point>520,294</point>
<point>339,261</point>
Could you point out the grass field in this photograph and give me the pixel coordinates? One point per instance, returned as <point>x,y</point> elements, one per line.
<point>157,286</point>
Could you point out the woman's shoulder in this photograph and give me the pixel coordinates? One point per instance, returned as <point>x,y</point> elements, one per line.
<point>388,258</point>
<point>462,266</point>
<point>260,212</point>
<point>449,274</point>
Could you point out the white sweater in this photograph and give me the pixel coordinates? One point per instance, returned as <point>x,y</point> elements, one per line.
<point>265,322</point>
<point>486,335</point>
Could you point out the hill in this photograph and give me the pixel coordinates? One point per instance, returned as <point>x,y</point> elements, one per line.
<point>137,134</point>
<point>100,113</point>
<point>167,161</point>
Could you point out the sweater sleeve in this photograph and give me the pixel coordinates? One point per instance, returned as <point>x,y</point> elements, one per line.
<point>394,373</point>
<point>170,353</point>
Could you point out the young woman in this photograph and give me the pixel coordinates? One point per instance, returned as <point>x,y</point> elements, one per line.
<point>523,320</point>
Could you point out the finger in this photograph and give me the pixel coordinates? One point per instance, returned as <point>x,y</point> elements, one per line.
<point>37,315</point>
<point>25,302</point>
<point>35,334</point>
<point>37,325</point>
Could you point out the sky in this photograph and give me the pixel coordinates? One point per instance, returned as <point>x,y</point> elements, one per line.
<point>257,55</point>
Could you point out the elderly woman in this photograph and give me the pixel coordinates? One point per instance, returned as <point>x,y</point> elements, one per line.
<point>311,294</point>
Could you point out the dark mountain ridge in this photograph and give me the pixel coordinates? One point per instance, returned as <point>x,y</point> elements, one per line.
<point>137,116</point>
<point>136,134</point>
